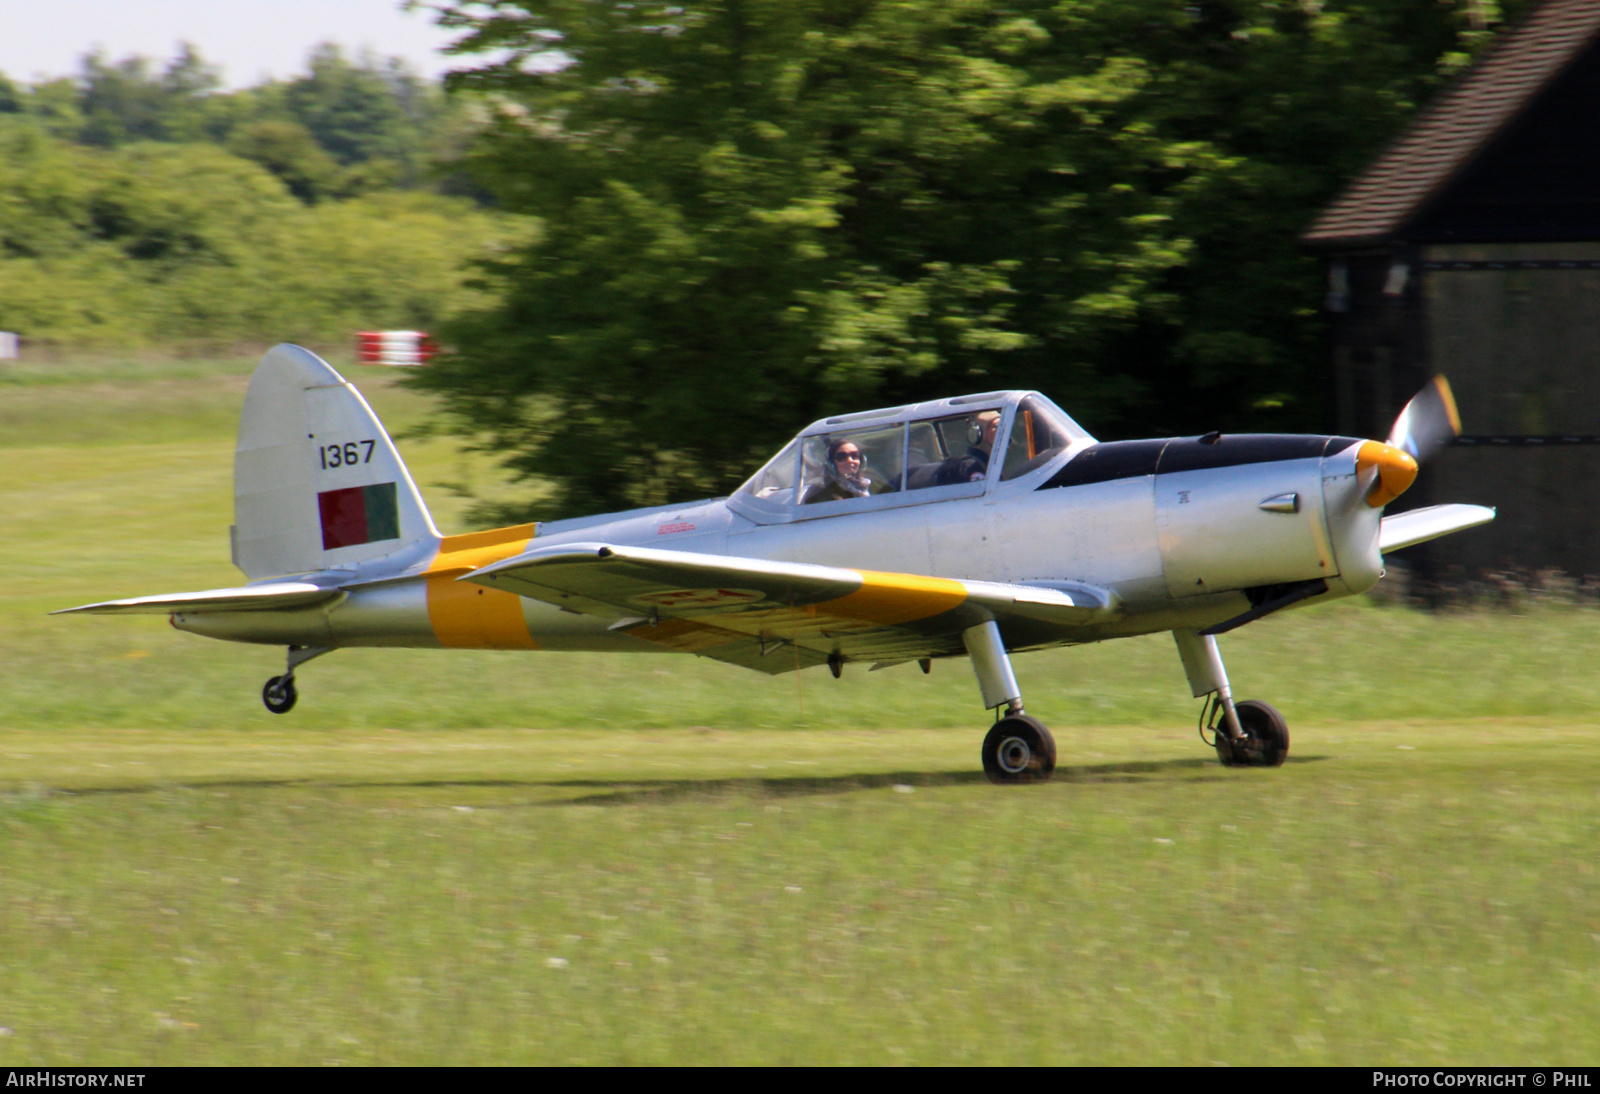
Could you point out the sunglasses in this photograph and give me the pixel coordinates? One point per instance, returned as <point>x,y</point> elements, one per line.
<point>840,457</point>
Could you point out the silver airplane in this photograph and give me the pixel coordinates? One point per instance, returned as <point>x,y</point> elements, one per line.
<point>978,526</point>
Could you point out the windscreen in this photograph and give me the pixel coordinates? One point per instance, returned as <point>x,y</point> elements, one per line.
<point>775,482</point>
<point>1039,432</point>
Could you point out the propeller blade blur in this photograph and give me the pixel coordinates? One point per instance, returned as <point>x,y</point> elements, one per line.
<point>1428,423</point>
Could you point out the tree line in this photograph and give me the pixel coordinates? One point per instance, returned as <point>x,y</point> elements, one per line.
<point>144,204</point>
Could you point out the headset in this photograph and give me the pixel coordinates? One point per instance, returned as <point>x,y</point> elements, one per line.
<point>975,426</point>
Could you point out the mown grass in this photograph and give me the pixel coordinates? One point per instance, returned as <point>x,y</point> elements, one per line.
<point>675,897</point>
<point>503,858</point>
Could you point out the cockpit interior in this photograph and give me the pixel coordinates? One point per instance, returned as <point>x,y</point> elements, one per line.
<point>924,452</point>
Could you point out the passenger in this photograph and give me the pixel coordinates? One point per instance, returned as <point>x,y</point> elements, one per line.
<point>846,475</point>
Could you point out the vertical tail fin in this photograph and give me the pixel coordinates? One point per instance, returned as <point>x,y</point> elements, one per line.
<point>317,482</point>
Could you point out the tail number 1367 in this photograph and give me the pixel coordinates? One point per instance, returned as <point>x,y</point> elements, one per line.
<point>348,454</point>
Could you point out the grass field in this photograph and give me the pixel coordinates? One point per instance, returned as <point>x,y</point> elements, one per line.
<point>499,858</point>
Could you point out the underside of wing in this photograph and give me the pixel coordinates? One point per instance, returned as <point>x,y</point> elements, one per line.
<point>780,616</point>
<point>277,595</point>
<point>1421,525</point>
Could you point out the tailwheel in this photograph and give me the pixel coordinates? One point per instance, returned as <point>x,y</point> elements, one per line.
<point>1019,749</point>
<point>1266,737</point>
<point>280,694</point>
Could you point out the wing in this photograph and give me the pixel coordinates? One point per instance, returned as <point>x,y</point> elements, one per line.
<point>278,594</point>
<point>779,616</point>
<point>1421,525</point>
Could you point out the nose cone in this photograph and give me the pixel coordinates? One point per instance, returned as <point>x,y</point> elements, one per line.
<point>1396,471</point>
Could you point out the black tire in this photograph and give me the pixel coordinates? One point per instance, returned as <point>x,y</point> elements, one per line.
<point>1266,742</point>
<point>1224,746</point>
<point>280,694</point>
<point>1019,749</point>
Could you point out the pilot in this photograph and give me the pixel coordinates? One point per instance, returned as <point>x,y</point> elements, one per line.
<point>974,466</point>
<point>846,475</point>
<point>983,428</point>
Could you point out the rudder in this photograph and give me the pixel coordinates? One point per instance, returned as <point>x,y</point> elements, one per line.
<point>317,483</point>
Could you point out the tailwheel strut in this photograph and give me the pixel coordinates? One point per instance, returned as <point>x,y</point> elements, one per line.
<point>279,693</point>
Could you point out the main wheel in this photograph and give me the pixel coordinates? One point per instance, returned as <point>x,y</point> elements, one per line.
<point>280,694</point>
<point>1266,742</point>
<point>1019,749</point>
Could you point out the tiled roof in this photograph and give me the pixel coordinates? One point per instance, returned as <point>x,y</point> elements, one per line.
<point>1457,124</point>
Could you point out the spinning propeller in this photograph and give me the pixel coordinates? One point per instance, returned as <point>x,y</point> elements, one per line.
<point>1428,423</point>
<point>1424,428</point>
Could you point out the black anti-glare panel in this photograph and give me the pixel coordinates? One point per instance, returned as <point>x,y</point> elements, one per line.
<point>1107,461</point>
<point>1130,459</point>
<point>1231,450</point>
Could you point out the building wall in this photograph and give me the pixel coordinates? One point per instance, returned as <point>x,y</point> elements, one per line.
<point>1521,348</point>
<point>1379,355</point>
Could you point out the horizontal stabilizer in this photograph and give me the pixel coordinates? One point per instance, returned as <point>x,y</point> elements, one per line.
<point>250,598</point>
<point>1421,525</point>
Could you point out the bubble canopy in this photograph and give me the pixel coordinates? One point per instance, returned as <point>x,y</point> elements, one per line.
<point>910,455</point>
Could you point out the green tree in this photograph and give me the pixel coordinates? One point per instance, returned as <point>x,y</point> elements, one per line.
<point>362,112</point>
<point>289,151</point>
<point>10,96</point>
<point>128,100</point>
<point>155,242</point>
<point>343,129</point>
<point>46,192</point>
<point>53,106</point>
<point>758,211</point>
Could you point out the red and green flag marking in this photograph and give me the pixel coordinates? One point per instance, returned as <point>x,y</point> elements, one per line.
<point>359,514</point>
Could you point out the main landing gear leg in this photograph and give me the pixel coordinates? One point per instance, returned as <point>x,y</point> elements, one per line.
<point>280,694</point>
<point>1019,749</point>
<point>1251,733</point>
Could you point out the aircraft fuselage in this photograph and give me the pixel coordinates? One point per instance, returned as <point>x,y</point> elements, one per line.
<point>1178,530</point>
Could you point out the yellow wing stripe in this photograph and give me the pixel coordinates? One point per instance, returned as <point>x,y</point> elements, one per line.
<point>896,598</point>
<point>467,616</point>
<point>884,600</point>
